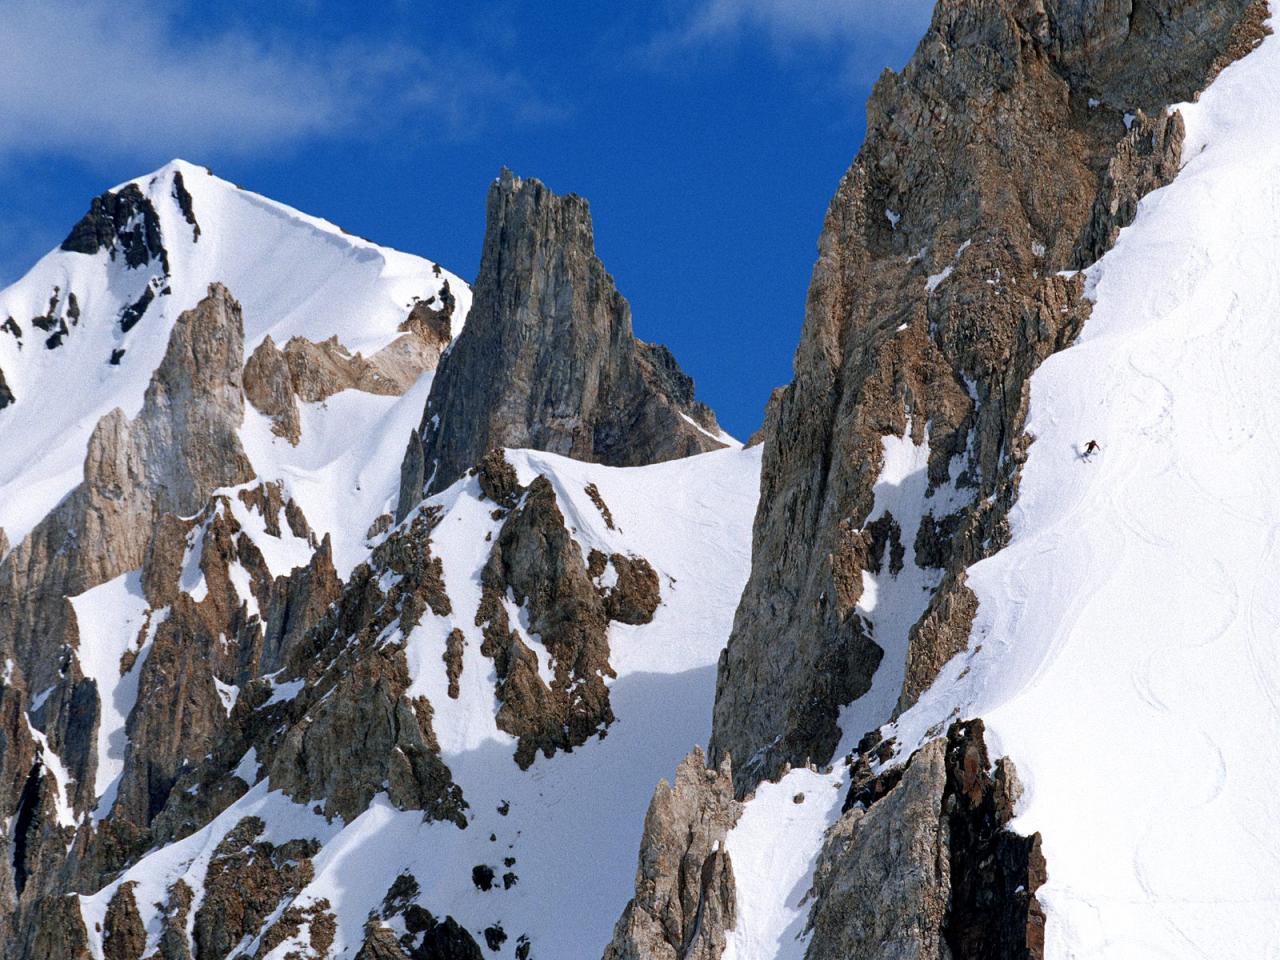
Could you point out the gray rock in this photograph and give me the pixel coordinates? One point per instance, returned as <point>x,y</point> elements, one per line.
<point>928,870</point>
<point>547,358</point>
<point>685,893</point>
<point>1000,174</point>
<point>883,879</point>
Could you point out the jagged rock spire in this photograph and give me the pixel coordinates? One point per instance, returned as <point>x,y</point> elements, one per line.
<point>548,358</point>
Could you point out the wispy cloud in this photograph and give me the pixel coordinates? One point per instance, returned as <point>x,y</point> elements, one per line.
<point>866,35</point>
<point>88,78</point>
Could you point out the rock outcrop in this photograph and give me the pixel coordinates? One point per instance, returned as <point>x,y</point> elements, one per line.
<point>125,224</point>
<point>929,868</point>
<point>1010,149</point>
<point>548,359</point>
<point>881,883</point>
<point>276,379</point>
<point>537,567</point>
<point>685,894</point>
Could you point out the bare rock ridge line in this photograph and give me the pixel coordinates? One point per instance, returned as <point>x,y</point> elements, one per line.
<point>548,359</point>
<point>1008,153</point>
<point>276,379</point>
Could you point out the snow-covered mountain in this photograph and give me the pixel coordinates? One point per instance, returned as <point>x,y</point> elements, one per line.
<point>236,384</point>
<point>334,627</point>
<point>89,323</point>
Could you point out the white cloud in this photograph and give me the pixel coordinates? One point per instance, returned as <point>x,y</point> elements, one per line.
<point>115,78</point>
<point>870,34</point>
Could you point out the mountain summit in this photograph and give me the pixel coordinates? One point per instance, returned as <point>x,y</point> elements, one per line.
<point>548,359</point>
<point>343,616</point>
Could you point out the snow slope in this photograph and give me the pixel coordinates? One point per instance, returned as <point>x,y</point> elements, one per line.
<point>1126,653</point>
<point>294,275</point>
<point>570,824</point>
<point>110,619</point>
<point>345,471</point>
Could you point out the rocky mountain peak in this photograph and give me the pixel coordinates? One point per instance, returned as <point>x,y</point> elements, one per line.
<point>548,358</point>
<point>124,221</point>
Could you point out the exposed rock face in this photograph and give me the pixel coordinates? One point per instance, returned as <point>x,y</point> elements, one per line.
<point>633,594</point>
<point>275,380</point>
<point>536,567</point>
<point>929,868</point>
<point>211,647</point>
<point>998,157</point>
<point>60,934</point>
<point>538,563</point>
<point>125,223</point>
<point>247,879</point>
<point>882,880</point>
<point>685,894</point>
<point>123,937</point>
<point>547,359</point>
<point>182,446</point>
<point>183,196</point>
<point>995,873</point>
<point>352,681</point>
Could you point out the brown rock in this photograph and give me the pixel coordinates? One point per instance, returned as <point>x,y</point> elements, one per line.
<point>275,380</point>
<point>635,596</point>
<point>60,932</point>
<point>927,866</point>
<point>536,559</point>
<point>174,943</point>
<point>454,645</point>
<point>354,680</point>
<point>498,479</point>
<point>123,937</point>
<point>246,881</point>
<point>685,893</point>
<point>380,944</point>
<point>268,385</point>
<point>593,492</point>
<point>985,172</point>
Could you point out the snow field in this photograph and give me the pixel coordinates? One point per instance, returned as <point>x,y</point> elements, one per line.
<point>1126,653</point>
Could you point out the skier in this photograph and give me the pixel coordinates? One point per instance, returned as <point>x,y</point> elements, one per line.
<point>1090,449</point>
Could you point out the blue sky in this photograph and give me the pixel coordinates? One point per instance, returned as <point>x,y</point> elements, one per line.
<point>708,135</point>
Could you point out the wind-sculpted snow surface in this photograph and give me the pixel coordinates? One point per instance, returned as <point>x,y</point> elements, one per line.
<point>1126,652</point>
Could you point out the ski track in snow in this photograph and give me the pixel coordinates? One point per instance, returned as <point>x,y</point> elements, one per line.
<point>1126,649</point>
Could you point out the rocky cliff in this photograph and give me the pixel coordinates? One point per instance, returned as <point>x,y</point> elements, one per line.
<point>270,689</point>
<point>548,359</point>
<point>1001,160</point>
